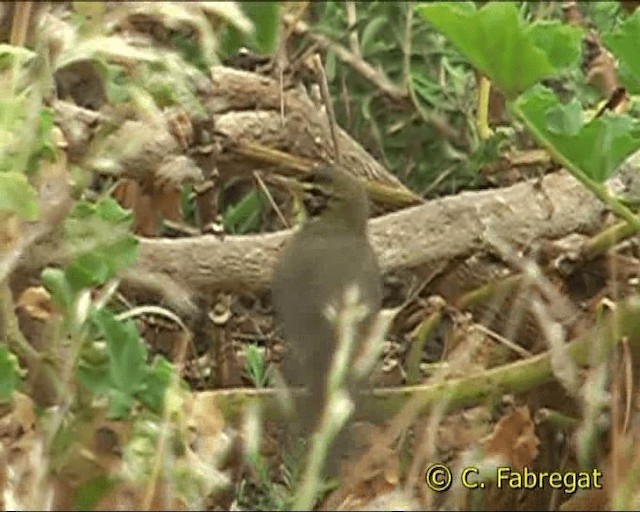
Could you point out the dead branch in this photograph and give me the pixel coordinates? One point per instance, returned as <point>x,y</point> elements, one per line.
<point>424,235</point>
<point>247,108</point>
<point>440,230</point>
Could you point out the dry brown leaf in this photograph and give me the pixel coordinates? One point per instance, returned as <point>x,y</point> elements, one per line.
<point>95,451</point>
<point>130,195</point>
<point>207,424</point>
<point>174,171</point>
<point>160,199</point>
<point>374,472</point>
<point>127,192</point>
<point>145,218</point>
<point>514,439</point>
<point>602,74</point>
<point>28,488</point>
<point>458,431</point>
<point>21,456</point>
<point>9,230</point>
<point>598,65</point>
<point>166,201</point>
<point>36,302</point>
<point>571,13</point>
<point>20,418</point>
<point>180,126</point>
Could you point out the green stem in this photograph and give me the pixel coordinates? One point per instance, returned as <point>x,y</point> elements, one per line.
<point>482,118</point>
<point>517,377</point>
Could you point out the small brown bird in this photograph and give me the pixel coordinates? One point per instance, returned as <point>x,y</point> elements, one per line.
<point>329,253</point>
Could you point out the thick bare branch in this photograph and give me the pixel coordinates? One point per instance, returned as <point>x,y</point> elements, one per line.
<point>438,231</point>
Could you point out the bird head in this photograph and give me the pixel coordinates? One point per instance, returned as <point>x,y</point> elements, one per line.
<point>332,195</point>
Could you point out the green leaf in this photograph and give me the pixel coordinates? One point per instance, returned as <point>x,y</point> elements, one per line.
<point>157,379</point>
<point>9,373</point>
<point>82,210</point>
<point>559,41</point>
<point>603,16</point>
<point>98,237</point>
<point>87,495</point>
<point>125,350</point>
<point>102,263</point>
<point>425,90</point>
<point>190,52</point>
<point>495,41</point>
<point>487,152</point>
<point>42,148</point>
<point>127,361</point>
<point>369,34</point>
<point>55,282</point>
<point>625,43</point>
<point>266,20</point>
<point>108,209</point>
<point>597,148</point>
<point>256,368</point>
<point>244,215</point>
<point>93,369</point>
<point>330,66</point>
<point>565,119</point>
<point>17,196</point>
<point>120,403</point>
<point>115,82</point>
<point>87,271</point>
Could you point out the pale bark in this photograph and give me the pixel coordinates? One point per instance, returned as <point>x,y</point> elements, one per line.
<point>440,230</point>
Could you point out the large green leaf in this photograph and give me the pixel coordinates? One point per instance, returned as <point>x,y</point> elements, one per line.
<point>559,41</point>
<point>498,43</point>
<point>566,119</point>
<point>597,147</point>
